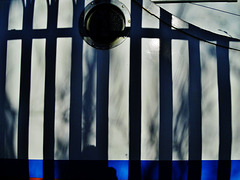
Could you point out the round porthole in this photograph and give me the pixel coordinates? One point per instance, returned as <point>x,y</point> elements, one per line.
<point>104,24</point>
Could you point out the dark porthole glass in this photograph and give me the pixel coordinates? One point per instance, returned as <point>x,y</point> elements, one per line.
<point>104,25</point>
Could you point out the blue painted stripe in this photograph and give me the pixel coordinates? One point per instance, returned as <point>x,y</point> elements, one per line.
<point>235,170</point>
<point>149,169</point>
<point>36,168</point>
<point>121,166</point>
<point>209,170</point>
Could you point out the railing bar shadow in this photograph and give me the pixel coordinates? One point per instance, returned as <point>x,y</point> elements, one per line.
<point>3,59</point>
<point>76,89</point>
<point>225,110</point>
<point>102,104</point>
<point>181,34</point>
<point>25,77</point>
<point>135,94</point>
<point>24,101</point>
<point>195,111</point>
<point>49,99</point>
<point>134,101</point>
<point>166,101</point>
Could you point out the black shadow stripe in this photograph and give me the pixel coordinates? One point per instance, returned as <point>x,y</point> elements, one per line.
<point>49,99</point>
<point>3,49</point>
<point>135,93</point>
<point>195,111</point>
<point>102,103</point>
<point>166,101</point>
<point>225,119</point>
<point>23,120</point>
<point>49,106</point>
<point>76,88</point>
<point>25,80</point>
<point>3,57</point>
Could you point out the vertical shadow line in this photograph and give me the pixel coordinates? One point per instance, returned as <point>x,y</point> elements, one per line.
<point>135,93</point>
<point>102,104</point>
<point>49,99</point>
<point>195,111</point>
<point>224,98</point>
<point>3,58</point>
<point>166,100</point>
<point>25,80</point>
<point>76,88</point>
<point>23,120</point>
<point>3,51</point>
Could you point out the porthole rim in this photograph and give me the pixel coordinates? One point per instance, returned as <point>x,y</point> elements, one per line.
<point>85,13</point>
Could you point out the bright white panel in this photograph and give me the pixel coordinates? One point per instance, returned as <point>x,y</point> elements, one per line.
<point>178,23</point>
<point>62,106</point>
<point>36,116</point>
<point>119,102</point>
<point>15,18</point>
<point>210,107</point>
<point>40,14</point>
<point>180,71</point>
<point>150,99</point>
<point>65,14</point>
<point>148,20</point>
<point>12,95</point>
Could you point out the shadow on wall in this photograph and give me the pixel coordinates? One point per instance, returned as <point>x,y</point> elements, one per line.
<point>89,107</point>
<point>89,167</point>
<point>10,125</point>
<point>173,133</point>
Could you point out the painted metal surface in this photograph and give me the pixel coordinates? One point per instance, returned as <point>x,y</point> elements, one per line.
<point>188,1</point>
<point>163,104</point>
<point>218,17</point>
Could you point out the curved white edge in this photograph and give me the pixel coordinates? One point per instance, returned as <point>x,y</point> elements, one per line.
<point>194,31</point>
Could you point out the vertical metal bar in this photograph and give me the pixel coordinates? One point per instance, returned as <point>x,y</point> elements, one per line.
<point>166,100</point>
<point>195,111</point>
<point>135,93</point>
<point>225,116</point>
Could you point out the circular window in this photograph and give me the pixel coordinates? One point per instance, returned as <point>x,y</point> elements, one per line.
<point>104,24</point>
